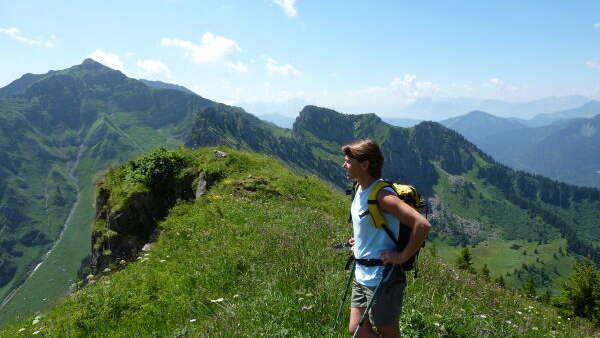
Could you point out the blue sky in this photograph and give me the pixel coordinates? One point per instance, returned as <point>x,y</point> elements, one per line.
<point>354,56</point>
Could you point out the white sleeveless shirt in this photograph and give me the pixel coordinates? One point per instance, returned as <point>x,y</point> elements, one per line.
<point>370,241</point>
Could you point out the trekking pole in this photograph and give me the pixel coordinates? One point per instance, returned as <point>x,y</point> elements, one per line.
<point>337,317</point>
<point>362,318</point>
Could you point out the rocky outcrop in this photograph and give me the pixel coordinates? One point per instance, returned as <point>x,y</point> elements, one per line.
<point>120,234</point>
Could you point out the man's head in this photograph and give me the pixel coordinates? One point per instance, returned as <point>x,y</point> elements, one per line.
<point>362,156</point>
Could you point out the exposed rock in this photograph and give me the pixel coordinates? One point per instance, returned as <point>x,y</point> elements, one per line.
<point>220,154</point>
<point>456,180</point>
<point>205,181</point>
<point>464,230</point>
<point>147,247</point>
<point>201,188</point>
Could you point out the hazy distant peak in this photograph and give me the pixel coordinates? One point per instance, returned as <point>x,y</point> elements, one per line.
<point>480,113</point>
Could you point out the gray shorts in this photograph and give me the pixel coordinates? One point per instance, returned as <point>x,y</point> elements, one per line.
<point>387,305</point>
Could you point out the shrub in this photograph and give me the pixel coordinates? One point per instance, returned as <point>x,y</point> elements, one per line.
<point>581,291</point>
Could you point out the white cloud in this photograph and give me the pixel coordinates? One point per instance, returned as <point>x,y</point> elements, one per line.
<point>154,68</point>
<point>214,48</point>
<point>499,85</point>
<point>273,67</point>
<point>410,87</point>
<point>237,66</point>
<point>108,59</point>
<point>287,6</point>
<point>14,33</point>
<point>593,65</point>
<point>496,82</point>
<point>597,25</point>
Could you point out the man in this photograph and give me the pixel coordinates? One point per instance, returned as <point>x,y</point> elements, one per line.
<point>363,162</point>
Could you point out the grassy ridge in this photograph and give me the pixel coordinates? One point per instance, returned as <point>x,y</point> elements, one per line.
<point>252,257</point>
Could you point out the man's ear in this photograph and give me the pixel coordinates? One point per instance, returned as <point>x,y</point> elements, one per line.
<point>364,165</point>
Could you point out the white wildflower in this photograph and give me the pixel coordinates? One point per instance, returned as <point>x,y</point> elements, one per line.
<point>192,320</point>
<point>508,322</point>
<point>162,260</point>
<point>236,296</point>
<point>436,323</point>
<point>530,307</point>
<point>534,328</point>
<point>35,321</point>
<point>519,312</point>
<point>483,316</point>
<point>218,300</point>
<point>21,329</point>
<point>36,332</point>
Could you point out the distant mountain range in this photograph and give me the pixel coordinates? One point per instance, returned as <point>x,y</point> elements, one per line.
<point>477,125</point>
<point>278,120</point>
<point>568,149</point>
<point>57,130</point>
<point>444,108</point>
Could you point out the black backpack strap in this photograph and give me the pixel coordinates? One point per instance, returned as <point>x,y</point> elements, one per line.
<point>353,194</point>
<point>391,236</point>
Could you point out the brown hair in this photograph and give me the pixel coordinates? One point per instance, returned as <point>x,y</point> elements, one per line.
<point>366,150</point>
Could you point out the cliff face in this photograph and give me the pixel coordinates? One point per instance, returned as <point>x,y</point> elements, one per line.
<point>121,234</point>
<point>124,224</point>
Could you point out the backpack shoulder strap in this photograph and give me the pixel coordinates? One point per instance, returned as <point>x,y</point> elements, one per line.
<point>378,219</point>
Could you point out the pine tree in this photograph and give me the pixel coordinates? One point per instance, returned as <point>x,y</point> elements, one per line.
<point>500,281</point>
<point>485,272</point>
<point>465,260</point>
<point>546,296</point>
<point>530,288</point>
<point>581,291</point>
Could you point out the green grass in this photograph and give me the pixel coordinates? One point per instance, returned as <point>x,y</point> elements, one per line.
<point>247,257</point>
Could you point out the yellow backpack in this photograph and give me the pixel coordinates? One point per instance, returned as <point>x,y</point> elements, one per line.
<point>410,196</point>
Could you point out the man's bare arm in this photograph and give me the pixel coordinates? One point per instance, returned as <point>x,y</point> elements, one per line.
<point>408,216</point>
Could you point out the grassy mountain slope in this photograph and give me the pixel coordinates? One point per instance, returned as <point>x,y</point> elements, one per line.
<point>253,257</point>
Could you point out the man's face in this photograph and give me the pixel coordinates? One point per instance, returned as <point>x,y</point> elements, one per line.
<point>354,168</point>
